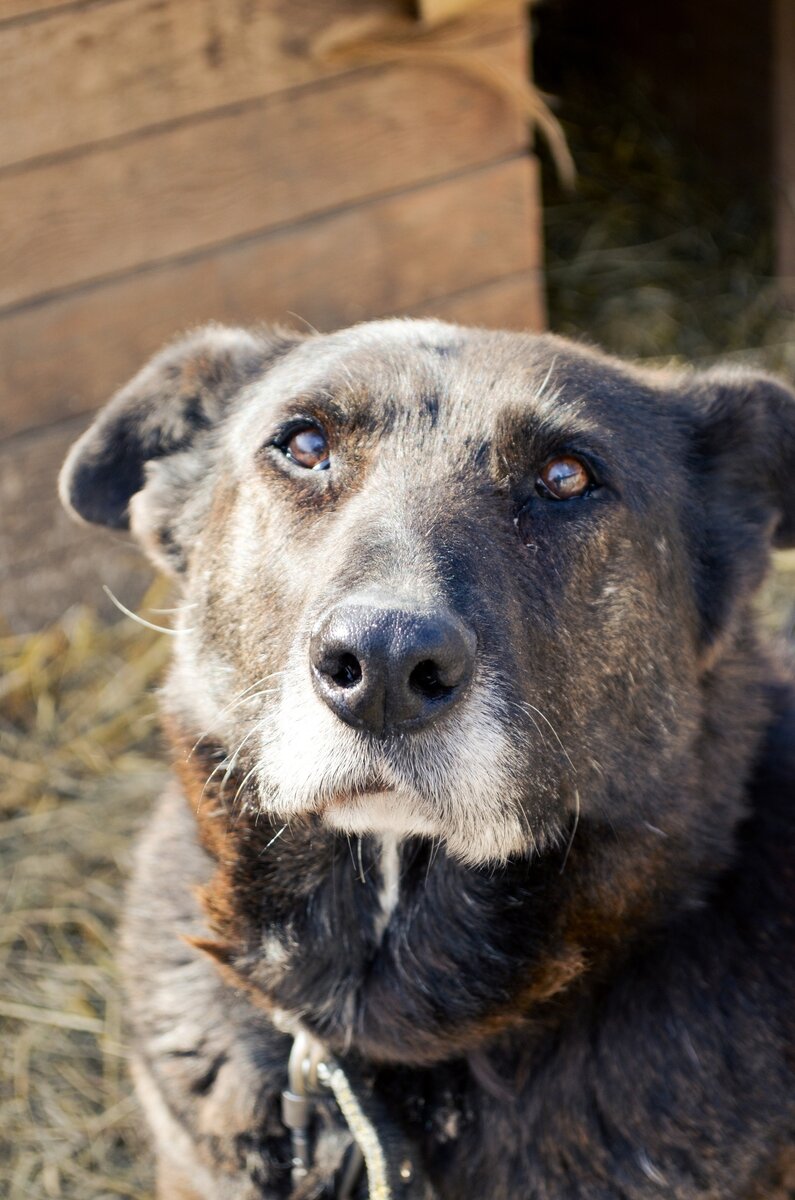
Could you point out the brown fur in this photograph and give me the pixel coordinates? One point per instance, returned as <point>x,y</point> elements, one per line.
<point>552,925</point>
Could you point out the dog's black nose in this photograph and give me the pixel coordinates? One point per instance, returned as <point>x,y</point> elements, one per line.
<point>387,669</point>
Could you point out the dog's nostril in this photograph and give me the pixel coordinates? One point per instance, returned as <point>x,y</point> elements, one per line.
<point>348,671</point>
<point>426,680</point>
<point>389,669</point>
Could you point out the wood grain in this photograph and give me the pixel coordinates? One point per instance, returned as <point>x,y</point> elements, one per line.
<point>390,255</point>
<point>48,562</point>
<point>79,76</point>
<point>443,10</point>
<point>516,302</point>
<point>244,172</point>
<point>12,10</point>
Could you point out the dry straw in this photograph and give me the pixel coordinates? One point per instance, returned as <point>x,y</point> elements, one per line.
<point>78,769</point>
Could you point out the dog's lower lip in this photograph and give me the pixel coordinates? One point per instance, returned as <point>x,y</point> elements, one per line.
<point>351,794</point>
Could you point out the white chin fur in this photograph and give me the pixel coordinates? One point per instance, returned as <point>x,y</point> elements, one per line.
<point>456,782</point>
<point>379,812</point>
<point>389,813</point>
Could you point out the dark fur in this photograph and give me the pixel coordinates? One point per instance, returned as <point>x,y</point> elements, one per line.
<point>608,1011</point>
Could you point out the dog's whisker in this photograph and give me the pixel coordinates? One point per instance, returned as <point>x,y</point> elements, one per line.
<point>350,851</point>
<point>254,696</point>
<point>522,708</point>
<point>526,705</point>
<point>139,620</point>
<point>218,767</point>
<point>244,694</point>
<point>240,698</point>
<point>303,320</point>
<point>234,757</point>
<point>275,838</point>
<point>170,611</point>
<point>574,828</point>
<point>540,391</point>
<point>243,783</point>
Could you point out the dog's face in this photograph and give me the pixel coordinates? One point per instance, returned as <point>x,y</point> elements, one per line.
<point>440,581</point>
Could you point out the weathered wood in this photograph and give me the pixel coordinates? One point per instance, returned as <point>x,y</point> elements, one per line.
<point>76,77</point>
<point>239,173</point>
<point>38,593</point>
<point>12,10</point>
<point>444,10</point>
<point>65,356</point>
<point>47,561</point>
<point>784,135</point>
<point>516,302</point>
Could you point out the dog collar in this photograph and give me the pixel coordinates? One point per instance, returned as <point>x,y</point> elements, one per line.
<point>379,1148</point>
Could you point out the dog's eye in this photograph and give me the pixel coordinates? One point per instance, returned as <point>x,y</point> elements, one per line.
<point>307,447</point>
<point>564,478</point>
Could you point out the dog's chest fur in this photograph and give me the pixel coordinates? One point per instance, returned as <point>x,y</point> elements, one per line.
<point>599,1079</point>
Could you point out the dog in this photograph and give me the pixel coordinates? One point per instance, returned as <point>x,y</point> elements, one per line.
<point>476,876</point>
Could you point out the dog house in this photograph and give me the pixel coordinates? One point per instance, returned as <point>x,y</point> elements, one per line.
<point>167,162</point>
<point>721,75</point>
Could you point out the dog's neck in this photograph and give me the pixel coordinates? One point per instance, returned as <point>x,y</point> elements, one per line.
<point>403,954</point>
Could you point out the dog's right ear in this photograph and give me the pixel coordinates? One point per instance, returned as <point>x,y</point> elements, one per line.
<point>171,404</point>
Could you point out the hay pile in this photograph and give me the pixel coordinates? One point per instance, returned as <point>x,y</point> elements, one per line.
<point>78,767</point>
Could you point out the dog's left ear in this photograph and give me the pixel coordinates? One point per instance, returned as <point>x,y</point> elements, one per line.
<point>743,480</point>
<point>143,462</point>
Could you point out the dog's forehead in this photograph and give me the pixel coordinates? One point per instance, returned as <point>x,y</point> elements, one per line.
<point>473,382</point>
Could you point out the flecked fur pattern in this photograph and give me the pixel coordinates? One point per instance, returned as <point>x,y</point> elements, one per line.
<point>554,925</point>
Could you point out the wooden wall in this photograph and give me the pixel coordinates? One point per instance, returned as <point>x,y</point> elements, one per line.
<point>166,162</point>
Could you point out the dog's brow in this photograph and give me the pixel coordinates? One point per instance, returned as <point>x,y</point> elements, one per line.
<point>551,430</point>
<point>346,403</point>
<point>320,401</point>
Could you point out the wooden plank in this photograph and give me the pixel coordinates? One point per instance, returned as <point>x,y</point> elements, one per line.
<point>66,356</point>
<point>35,595</point>
<point>12,10</point>
<point>244,172</point>
<point>784,142</point>
<point>77,77</point>
<point>516,302</point>
<point>445,10</point>
<point>33,526</point>
<point>47,561</point>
